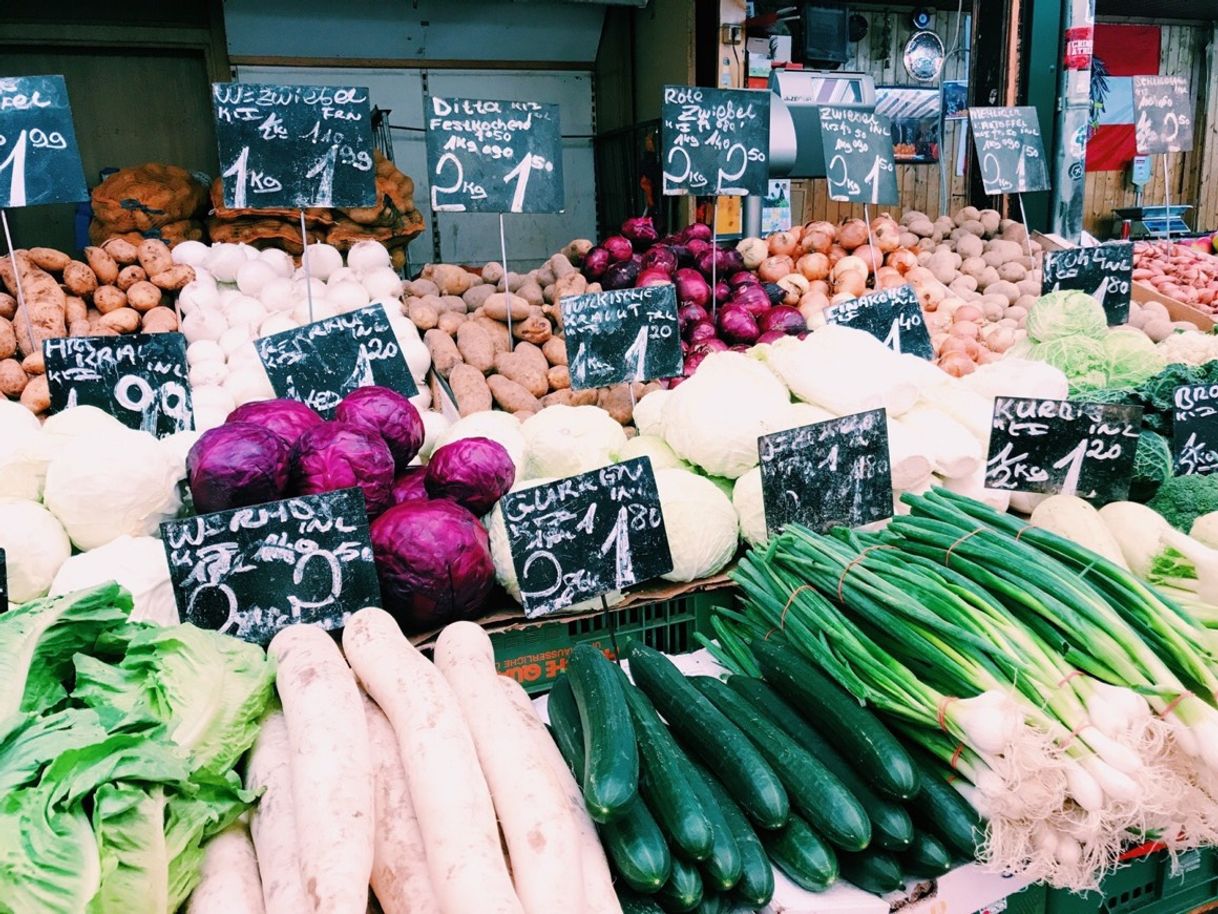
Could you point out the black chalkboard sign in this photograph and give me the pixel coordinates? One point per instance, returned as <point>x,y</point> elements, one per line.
<point>892,316</point>
<point>142,379</point>
<point>39,158</point>
<point>320,363</point>
<point>577,538</point>
<point>251,571</point>
<point>1195,430</point>
<point>487,156</point>
<point>1052,446</point>
<point>1010,150</point>
<point>1104,271</point>
<point>715,141</point>
<point>294,146</point>
<point>3,582</point>
<point>1163,114</point>
<point>859,161</point>
<point>622,335</point>
<point>827,474</point>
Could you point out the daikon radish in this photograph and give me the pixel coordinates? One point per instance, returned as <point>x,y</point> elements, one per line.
<point>953,450</point>
<point>273,820</point>
<point>542,840</point>
<point>331,769</point>
<point>399,861</point>
<point>229,881</point>
<point>599,897</point>
<point>447,788</point>
<point>907,456</point>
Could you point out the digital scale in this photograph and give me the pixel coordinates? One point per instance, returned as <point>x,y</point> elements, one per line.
<point>1133,222</point>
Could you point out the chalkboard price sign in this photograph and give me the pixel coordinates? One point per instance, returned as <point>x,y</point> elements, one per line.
<point>578,538</point>
<point>892,316</point>
<point>3,582</point>
<point>294,146</point>
<point>827,474</point>
<point>252,571</point>
<point>715,141</point>
<point>1010,150</point>
<point>1195,430</point>
<point>39,158</point>
<point>1163,112</point>
<point>1052,446</point>
<point>320,363</point>
<point>859,160</point>
<point>487,156</point>
<point>622,335</point>
<point>1104,271</point>
<point>142,379</point>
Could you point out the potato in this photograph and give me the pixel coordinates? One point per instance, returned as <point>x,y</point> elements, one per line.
<point>49,259</point>
<point>159,320</point>
<point>973,267</point>
<point>174,279</point>
<point>545,276</point>
<point>475,297</point>
<point>449,279</point>
<point>558,377</point>
<point>967,214</point>
<point>514,367</point>
<point>103,265</point>
<point>1029,286</point>
<point>510,395</point>
<point>991,221</point>
<point>988,277</point>
<point>969,246</point>
<point>122,250</point>
<point>496,331</point>
<point>108,298</point>
<point>422,287</point>
<point>476,346</point>
<point>42,316</point>
<point>555,350</point>
<point>12,378</point>
<point>37,395</point>
<point>153,255</point>
<point>449,321</point>
<point>536,329</point>
<point>8,306</point>
<point>1012,271</point>
<point>8,339</point>
<point>444,354</point>
<point>143,296</point>
<point>616,402</point>
<point>1015,232</point>
<point>571,284</point>
<point>129,275</point>
<point>532,355</point>
<point>452,303</point>
<point>470,389</point>
<point>34,364</point>
<point>124,320</point>
<point>422,315</point>
<point>1005,291</point>
<point>560,266</point>
<point>962,284</point>
<point>531,293</point>
<point>498,306</point>
<point>564,397</point>
<point>80,327</point>
<point>576,250</point>
<point>79,279</point>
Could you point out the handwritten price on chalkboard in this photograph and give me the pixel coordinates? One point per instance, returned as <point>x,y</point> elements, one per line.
<point>14,162</point>
<point>852,187</point>
<point>519,174</point>
<point>697,179</point>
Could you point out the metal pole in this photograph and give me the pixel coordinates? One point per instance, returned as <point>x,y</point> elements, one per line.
<point>1073,118</point>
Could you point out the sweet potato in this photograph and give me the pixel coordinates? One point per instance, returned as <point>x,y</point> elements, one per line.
<point>153,255</point>
<point>34,364</point>
<point>555,350</point>
<point>103,265</point>
<point>107,299</point>
<point>8,339</point>
<point>12,378</point>
<point>8,305</point>
<point>143,296</point>
<point>523,371</point>
<point>37,395</point>
<point>49,259</point>
<point>476,347</point>
<point>470,389</point>
<point>79,279</point>
<point>129,275</point>
<point>124,320</point>
<point>444,354</point>
<point>511,396</point>
<point>558,377</point>
<point>175,278</point>
<point>159,320</point>
<point>122,250</point>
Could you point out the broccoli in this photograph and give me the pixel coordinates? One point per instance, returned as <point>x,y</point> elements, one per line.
<point>1151,465</point>
<point>1182,499</point>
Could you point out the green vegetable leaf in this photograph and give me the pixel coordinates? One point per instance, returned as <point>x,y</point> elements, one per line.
<point>48,855</point>
<point>36,742</point>
<point>129,823</point>
<point>192,819</point>
<point>145,755</point>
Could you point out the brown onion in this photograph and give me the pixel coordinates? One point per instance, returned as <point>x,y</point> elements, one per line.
<point>888,278</point>
<point>813,266</point>
<point>902,260</point>
<point>852,234</point>
<point>852,282</point>
<point>821,286</point>
<point>775,267</point>
<point>836,253</point>
<point>782,243</point>
<point>842,297</point>
<point>850,264</point>
<point>957,364</point>
<point>870,256</point>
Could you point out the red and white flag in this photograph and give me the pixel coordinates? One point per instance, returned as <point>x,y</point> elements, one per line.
<point>1121,52</point>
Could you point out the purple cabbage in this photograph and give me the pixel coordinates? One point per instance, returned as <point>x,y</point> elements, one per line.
<point>336,455</point>
<point>473,472</point>
<point>237,464</point>
<point>289,419</point>
<point>386,413</point>
<point>409,485</point>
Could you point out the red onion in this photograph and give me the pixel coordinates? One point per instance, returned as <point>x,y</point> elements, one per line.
<point>692,288</point>
<point>752,298</point>
<point>620,275</point>
<point>684,257</point>
<point>743,278</point>
<point>737,325</point>
<point>653,276</point>
<point>697,247</point>
<point>712,345</point>
<point>691,314</point>
<point>702,330</point>
<point>660,257</point>
<point>783,318</point>
<point>775,292</point>
<point>741,347</point>
<point>596,261</point>
<point>641,231</point>
<point>770,336</point>
<point>722,292</point>
<point>619,248</point>
<point>699,230</point>
<point>692,361</point>
<point>725,261</point>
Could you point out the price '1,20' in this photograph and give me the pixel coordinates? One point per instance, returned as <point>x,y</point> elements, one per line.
<point>14,162</point>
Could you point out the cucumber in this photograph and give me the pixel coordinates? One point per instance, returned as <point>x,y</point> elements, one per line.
<point>611,758</point>
<point>683,890</point>
<point>872,871</point>
<point>891,827</point>
<point>815,791</point>
<point>721,870</point>
<point>801,853</point>
<point>711,737</point>
<point>939,809</point>
<point>926,857</point>
<point>712,903</point>
<point>756,885</point>
<point>664,779</point>
<point>633,842</point>
<point>636,904</point>
<point>853,729</point>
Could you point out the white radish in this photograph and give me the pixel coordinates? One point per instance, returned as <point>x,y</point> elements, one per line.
<point>599,897</point>
<point>542,840</point>
<point>447,787</point>
<point>331,768</point>
<point>273,820</point>
<point>228,883</point>
<point>399,861</point>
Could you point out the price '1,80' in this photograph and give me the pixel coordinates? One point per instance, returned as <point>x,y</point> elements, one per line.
<point>14,162</point>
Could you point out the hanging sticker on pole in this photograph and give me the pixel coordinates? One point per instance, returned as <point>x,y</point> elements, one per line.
<point>1010,151</point>
<point>294,147</point>
<point>859,161</point>
<point>491,156</point>
<point>39,158</point>
<point>1163,114</point>
<point>715,141</point>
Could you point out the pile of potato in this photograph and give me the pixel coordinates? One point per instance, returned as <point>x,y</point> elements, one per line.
<point>119,288</point>
<point>464,320</point>
<point>149,201</point>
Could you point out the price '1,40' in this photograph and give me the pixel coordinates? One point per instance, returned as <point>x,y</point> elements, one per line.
<point>14,162</point>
